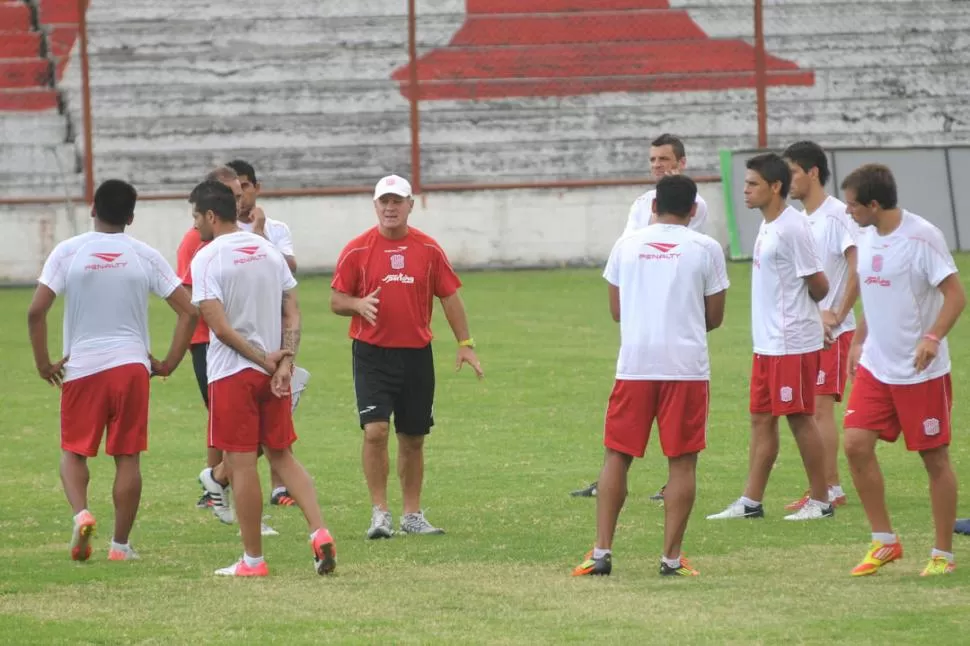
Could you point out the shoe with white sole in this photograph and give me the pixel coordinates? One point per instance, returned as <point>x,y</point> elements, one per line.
<point>738,509</point>
<point>813,510</point>
<point>220,496</point>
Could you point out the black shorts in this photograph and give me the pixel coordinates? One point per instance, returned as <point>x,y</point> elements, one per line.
<point>398,381</point>
<point>199,351</point>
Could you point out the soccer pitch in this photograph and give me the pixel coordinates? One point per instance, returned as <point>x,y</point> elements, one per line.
<point>500,463</point>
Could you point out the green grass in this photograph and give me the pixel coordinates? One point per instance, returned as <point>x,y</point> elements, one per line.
<point>500,462</point>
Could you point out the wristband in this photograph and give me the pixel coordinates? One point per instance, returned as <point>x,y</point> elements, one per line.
<point>931,337</point>
<point>467,343</point>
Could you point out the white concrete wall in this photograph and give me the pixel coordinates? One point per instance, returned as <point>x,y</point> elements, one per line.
<point>520,228</point>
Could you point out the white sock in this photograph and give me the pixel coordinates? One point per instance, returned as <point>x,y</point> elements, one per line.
<point>252,561</point>
<point>673,563</point>
<point>121,547</point>
<point>947,555</point>
<point>835,491</point>
<point>279,490</point>
<point>598,553</point>
<point>884,538</point>
<point>747,502</point>
<point>77,517</point>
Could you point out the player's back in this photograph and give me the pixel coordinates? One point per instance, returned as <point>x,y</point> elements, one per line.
<point>106,279</point>
<point>665,272</point>
<point>245,272</point>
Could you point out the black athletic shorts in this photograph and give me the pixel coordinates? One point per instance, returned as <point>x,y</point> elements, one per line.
<point>199,351</point>
<point>395,381</point>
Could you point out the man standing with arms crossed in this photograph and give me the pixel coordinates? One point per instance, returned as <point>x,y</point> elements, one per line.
<point>835,240</point>
<point>911,298</point>
<point>241,285</point>
<point>787,283</point>
<point>667,288</point>
<point>386,280</point>
<point>667,157</point>
<point>106,277</point>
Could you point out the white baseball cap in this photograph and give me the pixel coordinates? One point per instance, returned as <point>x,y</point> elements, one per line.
<point>392,184</point>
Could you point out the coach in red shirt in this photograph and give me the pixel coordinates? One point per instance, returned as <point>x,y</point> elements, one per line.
<point>386,281</point>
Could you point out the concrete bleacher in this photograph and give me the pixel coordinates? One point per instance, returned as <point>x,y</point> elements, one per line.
<point>314,93</point>
<point>37,156</point>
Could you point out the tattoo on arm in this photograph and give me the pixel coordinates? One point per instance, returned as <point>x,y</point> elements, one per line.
<point>291,340</point>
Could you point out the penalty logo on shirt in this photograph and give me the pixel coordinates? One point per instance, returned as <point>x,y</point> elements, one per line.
<point>397,262</point>
<point>877,263</point>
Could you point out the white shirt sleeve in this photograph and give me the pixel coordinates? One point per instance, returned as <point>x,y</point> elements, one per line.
<point>631,219</point>
<point>205,278</point>
<point>287,281</point>
<point>699,221</point>
<point>612,271</point>
<point>842,237</point>
<point>54,274</point>
<point>935,260</point>
<point>282,238</point>
<point>804,251</point>
<point>164,280</point>
<point>716,280</point>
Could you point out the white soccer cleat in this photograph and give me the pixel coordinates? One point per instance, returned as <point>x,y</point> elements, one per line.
<point>813,510</point>
<point>738,509</point>
<point>220,496</point>
<point>297,385</point>
<point>380,524</point>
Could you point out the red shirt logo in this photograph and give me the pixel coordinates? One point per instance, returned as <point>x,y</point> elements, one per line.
<point>249,251</point>
<point>662,247</point>
<point>108,261</point>
<point>250,254</point>
<point>107,257</point>
<point>877,263</point>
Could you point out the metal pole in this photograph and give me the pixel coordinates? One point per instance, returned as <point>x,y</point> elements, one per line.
<point>760,74</point>
<point>86,103</point>
<point>414,97</point>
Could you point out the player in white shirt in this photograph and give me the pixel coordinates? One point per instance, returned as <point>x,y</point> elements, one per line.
<point>106,277</point>
<point>787,283</point>
<point>911,298</point>
<point>667,288</point>
<point>241,284</point>
<point>667,157</point>
<point>834,234</point>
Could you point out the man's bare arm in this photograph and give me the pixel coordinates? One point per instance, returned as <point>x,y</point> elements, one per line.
<point>188,317</point>
<point>215,318</point>
<point>292,322</point>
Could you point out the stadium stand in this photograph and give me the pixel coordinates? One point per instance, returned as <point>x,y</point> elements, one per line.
<point>316,92</point>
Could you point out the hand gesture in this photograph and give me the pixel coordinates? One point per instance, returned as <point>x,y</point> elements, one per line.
<point>273,360</point>
<point>53,373</point>
<point>159,368</point>
<point>926,352</point>
<point>467,355</point>
<point>280,384</point>
<point>855,353</point>
<point>367,306</point>
<point>259,220</point>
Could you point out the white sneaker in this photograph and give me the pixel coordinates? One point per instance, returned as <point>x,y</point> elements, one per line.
<point>416,523</point>
<point>380,524</point>
<point>239,568</point>
<point>297,385</point>
<point>738,509</point>
<point>220,496</point>
<point>813,510</point>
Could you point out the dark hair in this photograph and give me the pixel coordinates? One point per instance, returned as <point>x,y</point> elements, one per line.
<point>872,182</point>
<point>222,174</point>
<point>772,168</point>
<point>213,195</point>
<point>114,202</point>
<point>809,155</point>
<point>676,195</point>
<point>243,168</point>
<point>673,142</point>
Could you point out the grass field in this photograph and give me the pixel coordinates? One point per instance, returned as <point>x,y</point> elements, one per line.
<point>500,463</point>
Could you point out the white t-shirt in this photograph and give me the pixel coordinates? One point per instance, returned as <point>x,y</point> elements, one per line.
<point>276,232</point>
<point>664,271</point>
<point>248,275</point>
<point>784,318</point>
<point>898,278</point>
<point>834,232</point>
<point>106,278</point>
<point>641,213</point>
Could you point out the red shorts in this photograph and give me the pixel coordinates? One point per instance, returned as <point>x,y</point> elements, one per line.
<point>833,367</point>
<point>244,414</point>
<point>116,399</point>
<point>920,411</point>
<point>680,408</point>
<point>784,385</point>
